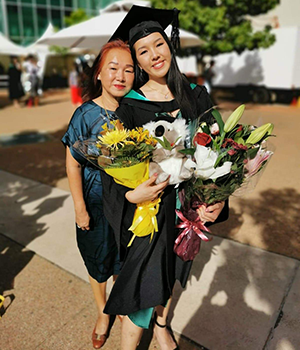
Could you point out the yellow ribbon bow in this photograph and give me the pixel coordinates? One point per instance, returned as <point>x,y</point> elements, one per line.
<point>1,302</point>
<point>144,220</point>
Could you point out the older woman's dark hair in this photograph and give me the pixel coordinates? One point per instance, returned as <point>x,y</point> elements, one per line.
<point>92,88</point>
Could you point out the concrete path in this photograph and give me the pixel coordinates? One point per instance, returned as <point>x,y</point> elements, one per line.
<point>238,296</point>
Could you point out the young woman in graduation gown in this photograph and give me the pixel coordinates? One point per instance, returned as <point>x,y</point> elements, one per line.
<point>149,269</point>
<point>111,77</point>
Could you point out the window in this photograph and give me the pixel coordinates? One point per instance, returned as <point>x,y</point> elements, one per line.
<point>13,21</point>
<point>28,21</point>
<point>56,18</point>
<point>41,2</point>
<point>1,21</point>
<point>42,20</point>
<point>55,2</point>
<point>105,3</point>
<point>83,4</point>
<point>68,3</point>
<point>95,4</point>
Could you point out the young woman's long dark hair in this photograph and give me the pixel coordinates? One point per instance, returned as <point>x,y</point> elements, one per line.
<point>176,81</point>
<point>92,88</point>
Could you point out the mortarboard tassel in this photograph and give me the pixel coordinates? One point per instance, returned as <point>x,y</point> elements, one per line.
<point>175,39</point>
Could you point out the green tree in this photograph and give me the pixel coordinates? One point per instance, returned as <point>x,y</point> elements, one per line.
<point>224,25</point>
<point>76,17</point>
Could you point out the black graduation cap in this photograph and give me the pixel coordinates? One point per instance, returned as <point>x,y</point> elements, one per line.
<point>141,21</point>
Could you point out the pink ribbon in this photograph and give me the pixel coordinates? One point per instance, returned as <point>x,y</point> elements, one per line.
<point>197,226</point>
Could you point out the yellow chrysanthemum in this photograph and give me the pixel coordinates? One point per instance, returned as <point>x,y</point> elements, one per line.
<point>114,138</point>
<point>150,141</point>
<point>130,143</point>
<point>105,127</point>
<point>117,124</point>
<point>139,134</point>
<point>133,134</point>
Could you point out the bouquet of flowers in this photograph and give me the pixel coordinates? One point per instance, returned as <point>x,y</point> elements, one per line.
<point>124,155</point>
<point>227,157</point>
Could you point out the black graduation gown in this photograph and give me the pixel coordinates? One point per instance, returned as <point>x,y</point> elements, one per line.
<point>14,83</point>
<point>149,269</point>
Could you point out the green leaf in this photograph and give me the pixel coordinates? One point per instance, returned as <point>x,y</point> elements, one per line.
<point>205,129</point>
<point>179,137</point>
<point>240,141</point>
<point>252,152</point>
<point>234,167</point>
<point>187,151</point>
<point>165,143</point>
<point>219,120</point>
<point>221,156</point>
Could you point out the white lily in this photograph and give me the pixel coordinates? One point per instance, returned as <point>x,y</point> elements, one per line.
<point>204,165</point>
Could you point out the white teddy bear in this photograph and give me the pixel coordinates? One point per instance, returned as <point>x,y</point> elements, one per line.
<point>167,160</point>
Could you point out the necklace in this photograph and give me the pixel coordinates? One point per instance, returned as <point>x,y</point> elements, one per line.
<point>166,96</point>
<point>108,116</point>
<point>106,112</point>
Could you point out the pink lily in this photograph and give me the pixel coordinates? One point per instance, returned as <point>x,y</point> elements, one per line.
<point>255,164</point>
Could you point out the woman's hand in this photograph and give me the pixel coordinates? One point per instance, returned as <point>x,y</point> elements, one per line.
<point>210,213</point>
<point>82,219</point>
<point>147,191</point>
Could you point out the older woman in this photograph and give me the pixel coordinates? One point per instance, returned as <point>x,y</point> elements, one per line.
<point>110,79</point>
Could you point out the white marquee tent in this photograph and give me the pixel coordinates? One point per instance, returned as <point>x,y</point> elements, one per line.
<point>7,47</point>
<point>94,33</point>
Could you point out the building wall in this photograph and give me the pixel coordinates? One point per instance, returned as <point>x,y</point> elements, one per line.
<point>24,21</point>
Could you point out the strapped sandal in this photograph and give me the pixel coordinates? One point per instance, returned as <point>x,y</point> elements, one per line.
<point>164,326</point>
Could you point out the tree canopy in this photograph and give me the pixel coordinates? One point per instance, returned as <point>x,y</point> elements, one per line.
<point>76,17</point>
<point>224,25</point>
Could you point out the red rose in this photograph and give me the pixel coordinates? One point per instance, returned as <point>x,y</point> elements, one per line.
<point>202,139</point>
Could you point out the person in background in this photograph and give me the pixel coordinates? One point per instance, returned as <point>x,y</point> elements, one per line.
<point>15,86</point>
<point>32,69</point>
<point>110,78</point>
<point>2,70</point>
<point>75,85</point>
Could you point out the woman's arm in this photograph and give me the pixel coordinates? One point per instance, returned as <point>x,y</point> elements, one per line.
<point>147,191</point>
<point>210,213</point>
<point>74,173</point>
<point>215,213</point>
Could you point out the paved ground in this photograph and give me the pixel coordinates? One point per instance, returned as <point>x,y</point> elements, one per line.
<point>241,295</point>
<point>260,219</point>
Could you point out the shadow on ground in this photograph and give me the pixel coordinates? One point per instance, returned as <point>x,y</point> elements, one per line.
<point>43,162</point>
<point>21,211</point>
<point>276,213</point>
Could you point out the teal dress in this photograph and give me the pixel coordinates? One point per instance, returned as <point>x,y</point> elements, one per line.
<point>97,246</point>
